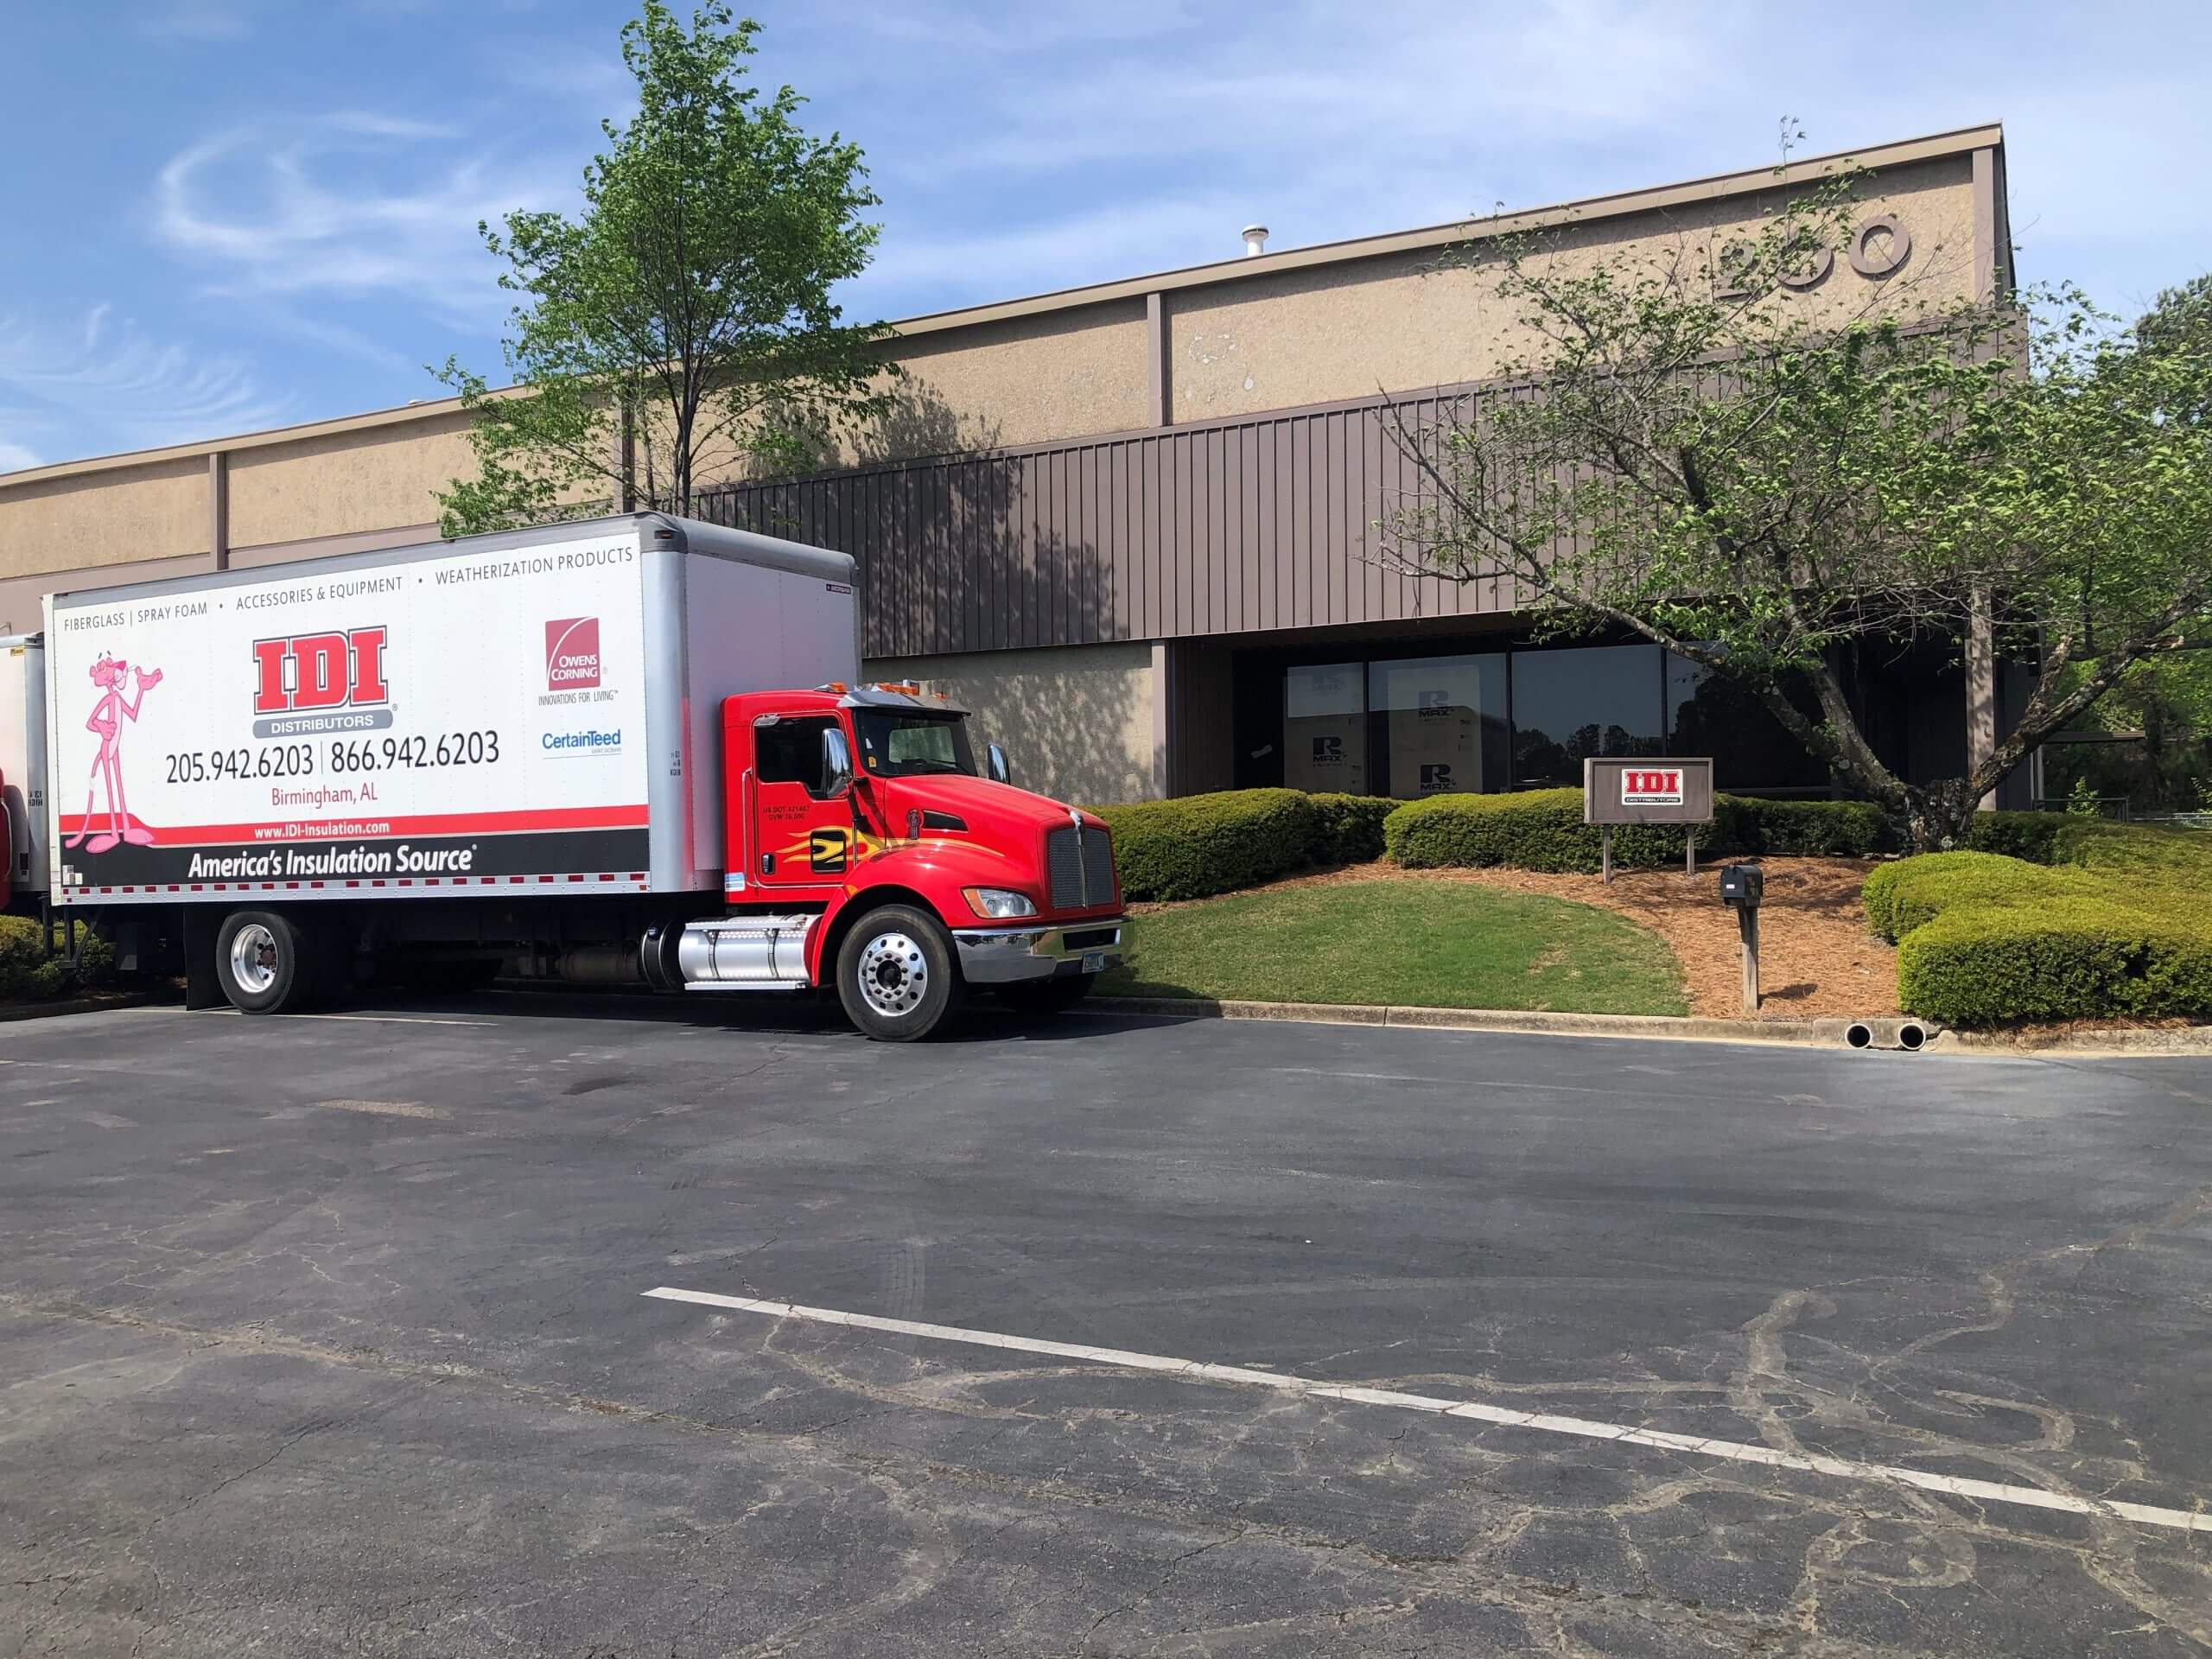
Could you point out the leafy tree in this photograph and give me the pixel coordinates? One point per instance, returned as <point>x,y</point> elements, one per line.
<point>2167,696</point>
<point>1688,461</point>
<point>681,325</point>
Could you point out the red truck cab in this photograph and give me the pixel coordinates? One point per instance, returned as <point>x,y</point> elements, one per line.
<point>865,841</point>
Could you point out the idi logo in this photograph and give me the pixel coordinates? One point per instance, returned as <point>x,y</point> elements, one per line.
<point>320,670</point>
<point>572,654</point>
<point>1655,787</point>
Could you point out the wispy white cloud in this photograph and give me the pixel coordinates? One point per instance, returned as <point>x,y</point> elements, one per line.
<point>349,206</point>
<point>94,373</point>
<point>196,20</point>
<point>15,457</point>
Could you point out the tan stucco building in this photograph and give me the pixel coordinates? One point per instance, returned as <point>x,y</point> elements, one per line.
<point>1126,522</point>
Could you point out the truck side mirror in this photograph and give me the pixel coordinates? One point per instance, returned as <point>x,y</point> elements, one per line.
<point>995,760</point>
<point>836,762</point>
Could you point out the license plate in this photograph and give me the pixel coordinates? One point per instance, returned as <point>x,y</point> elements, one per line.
<point>1094,962</point>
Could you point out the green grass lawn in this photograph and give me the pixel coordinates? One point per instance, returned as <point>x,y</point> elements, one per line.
<point>1409,943</point>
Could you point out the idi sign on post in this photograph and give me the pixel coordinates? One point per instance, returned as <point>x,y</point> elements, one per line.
<point>1642,789</point>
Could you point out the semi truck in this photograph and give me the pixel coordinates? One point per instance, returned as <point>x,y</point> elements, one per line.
<point>629,750</point>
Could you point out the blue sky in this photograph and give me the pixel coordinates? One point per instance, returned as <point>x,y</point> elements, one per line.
<point>227,214</point>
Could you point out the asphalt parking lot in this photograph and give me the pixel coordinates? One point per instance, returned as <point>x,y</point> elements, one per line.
<point>331,1335</point>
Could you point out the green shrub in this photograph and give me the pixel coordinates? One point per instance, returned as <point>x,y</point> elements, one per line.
<point>1348,829</point>
<point>1801,829</point>
<point>28,974</point>
<point>1901,897</point>
<point>2038,837</point>
<point>2081,956</point>
<point>1542,829</point>
<point>1197,845</point>
<point>2119,924</point>
<point>1536,830</point>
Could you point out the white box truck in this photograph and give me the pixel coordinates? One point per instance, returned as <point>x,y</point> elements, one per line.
<point>631,748</point>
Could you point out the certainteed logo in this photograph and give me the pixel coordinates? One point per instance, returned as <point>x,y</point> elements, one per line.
<point>572,654</point>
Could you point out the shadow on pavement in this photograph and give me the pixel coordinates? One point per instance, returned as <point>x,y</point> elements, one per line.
<point>982,1021</point>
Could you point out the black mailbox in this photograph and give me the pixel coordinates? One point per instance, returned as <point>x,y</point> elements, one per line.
<point>1741,885</point>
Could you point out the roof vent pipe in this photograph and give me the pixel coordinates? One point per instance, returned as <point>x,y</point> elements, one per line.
<point>1255,240</point>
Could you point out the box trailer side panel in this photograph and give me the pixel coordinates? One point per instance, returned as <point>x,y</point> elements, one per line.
<point>23,766</point>
<point>442,719</point>
<point>759,614</point>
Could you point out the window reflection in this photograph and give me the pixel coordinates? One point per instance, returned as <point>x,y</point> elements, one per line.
<point>1707,713</point>
<point>1585,700</point>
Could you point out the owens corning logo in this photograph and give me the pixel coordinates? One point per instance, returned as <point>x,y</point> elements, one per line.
<point>320,670</point>
<point>572,654</point>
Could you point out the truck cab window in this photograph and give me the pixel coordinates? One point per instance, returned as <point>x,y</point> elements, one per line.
<point>901,745</point>
<point>790,752</point>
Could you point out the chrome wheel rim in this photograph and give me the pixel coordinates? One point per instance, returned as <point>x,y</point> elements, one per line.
<point>253,958</point>
<point>894,976</point>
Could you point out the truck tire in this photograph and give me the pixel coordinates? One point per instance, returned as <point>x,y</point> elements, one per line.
<point>1055,995</point>
<point>266,963</point>
<point>897,976</point>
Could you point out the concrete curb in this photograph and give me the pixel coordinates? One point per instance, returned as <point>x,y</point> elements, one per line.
<point>1826,1033</point>
<point>2113,1044</point>
<point>2179,1041</point>
<point>79,1005</point>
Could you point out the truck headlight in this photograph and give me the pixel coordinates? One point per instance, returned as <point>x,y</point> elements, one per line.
<point>998,902</point>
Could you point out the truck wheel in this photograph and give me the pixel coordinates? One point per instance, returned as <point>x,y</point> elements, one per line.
<point>265,964</point>
<point>1054,995</point>
<point>896,975</point>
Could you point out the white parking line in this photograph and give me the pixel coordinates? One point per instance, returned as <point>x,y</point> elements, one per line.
<point>1543,1422</point>
<point>395,1019</point>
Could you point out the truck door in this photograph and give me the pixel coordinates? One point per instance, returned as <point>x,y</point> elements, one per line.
<point>801,836</point>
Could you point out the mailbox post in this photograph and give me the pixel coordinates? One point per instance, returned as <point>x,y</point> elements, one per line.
<point>1742,886</point>
<point>1616,790</point>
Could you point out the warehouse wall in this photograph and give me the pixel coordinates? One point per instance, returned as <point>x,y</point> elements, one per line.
<point>344,482</point>
<point>1402,323</point>
<point>1077,723</point>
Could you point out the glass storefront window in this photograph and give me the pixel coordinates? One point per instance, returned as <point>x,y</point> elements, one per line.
<point>1325,728</point>
<point>1441,720</point>
<point>1707,713</point>
<point>1585,700</point>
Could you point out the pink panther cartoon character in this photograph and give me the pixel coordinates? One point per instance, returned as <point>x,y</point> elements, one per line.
<point>108,715</point>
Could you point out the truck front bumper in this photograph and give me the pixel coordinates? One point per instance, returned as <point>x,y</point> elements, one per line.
<point>999,955</point>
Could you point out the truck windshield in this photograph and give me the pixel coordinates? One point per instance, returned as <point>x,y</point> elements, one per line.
<point>895,744</point>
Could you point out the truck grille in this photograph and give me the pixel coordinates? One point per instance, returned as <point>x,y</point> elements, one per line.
<point>1070,860</point>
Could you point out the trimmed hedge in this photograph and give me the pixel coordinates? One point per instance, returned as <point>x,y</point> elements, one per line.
<point>27,974</point>
<point>2080,958</point>
<point>1801,829</point>
<point>1197,845</point>
<point>1348,829</point>
<point>2037,837</point>
<point>2117,923</point>
<point>1913,892</point>
<point>1542,829</point>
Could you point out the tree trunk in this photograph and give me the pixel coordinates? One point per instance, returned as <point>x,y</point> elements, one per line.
<point>1938,815</point>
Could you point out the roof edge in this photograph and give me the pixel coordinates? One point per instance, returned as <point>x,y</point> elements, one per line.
<point>1962,140</point>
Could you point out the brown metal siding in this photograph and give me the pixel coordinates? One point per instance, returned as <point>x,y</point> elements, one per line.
<point>1234,526</point>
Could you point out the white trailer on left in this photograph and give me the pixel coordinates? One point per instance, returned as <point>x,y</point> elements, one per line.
<point>23,772</point>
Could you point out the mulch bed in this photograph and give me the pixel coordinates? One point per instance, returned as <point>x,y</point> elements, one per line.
<point>1816,958</point>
